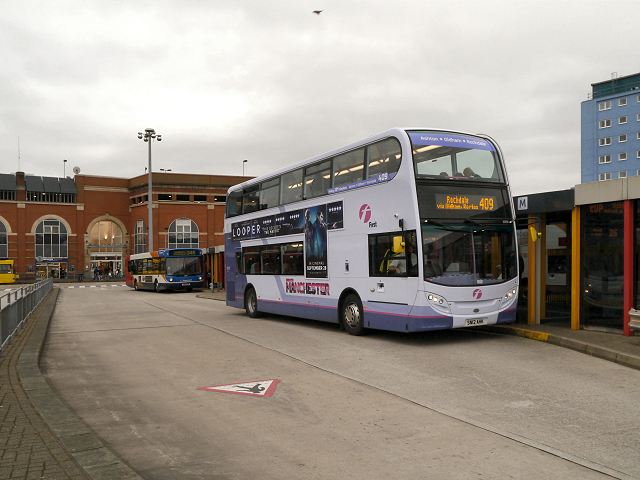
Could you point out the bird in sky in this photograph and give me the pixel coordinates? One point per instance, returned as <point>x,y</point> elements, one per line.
<point>317,12</point>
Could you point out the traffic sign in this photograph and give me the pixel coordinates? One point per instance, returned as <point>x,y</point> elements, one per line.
<point>262,388</point>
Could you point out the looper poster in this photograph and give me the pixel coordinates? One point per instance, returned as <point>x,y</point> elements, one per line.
<point>315,241</point>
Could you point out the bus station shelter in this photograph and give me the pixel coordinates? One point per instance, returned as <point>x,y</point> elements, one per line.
<point>580,249</point>
<point>214,257</point>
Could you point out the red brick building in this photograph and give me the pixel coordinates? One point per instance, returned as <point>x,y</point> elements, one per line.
<point>62,227</point>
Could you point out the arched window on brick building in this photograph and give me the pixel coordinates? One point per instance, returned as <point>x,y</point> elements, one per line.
<point>4,245</point>
<point>106,247</point>
<point>140,237</point>
<point>52,249</point>
<point>51,239</point>
<point>183,233</point>
<point>105,235</point>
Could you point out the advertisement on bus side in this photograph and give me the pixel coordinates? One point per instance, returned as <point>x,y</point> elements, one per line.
<point>315,242</point>
<point>285,223</point>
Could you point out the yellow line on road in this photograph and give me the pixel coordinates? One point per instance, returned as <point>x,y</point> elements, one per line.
<point>543,337</point>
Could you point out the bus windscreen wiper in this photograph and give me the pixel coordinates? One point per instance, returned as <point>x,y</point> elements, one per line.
<point>468,221</point>
<point>441,226</point>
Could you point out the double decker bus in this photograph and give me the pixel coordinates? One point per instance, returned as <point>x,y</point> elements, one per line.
<point>170,269</point>
<point>7,272</point>
<point>408,230</point>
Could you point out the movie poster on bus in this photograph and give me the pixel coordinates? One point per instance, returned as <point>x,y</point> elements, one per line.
<point>289,223</point>
<point>265,227</point>
<point>335,218</point>
<point>315,241</point>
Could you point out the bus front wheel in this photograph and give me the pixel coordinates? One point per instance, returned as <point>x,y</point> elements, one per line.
<point>251,303</point>
<point>352,315</point>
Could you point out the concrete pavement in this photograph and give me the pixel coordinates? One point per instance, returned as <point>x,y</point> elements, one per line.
<point>41,438</point>
<point>613,347</point>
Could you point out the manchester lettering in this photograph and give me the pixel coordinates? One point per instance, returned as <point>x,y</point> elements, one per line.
<point>306,288</point>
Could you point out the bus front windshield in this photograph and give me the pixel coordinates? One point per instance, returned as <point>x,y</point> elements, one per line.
<point>466,255</point>
<point>450,157</point>
<point>184,266</point>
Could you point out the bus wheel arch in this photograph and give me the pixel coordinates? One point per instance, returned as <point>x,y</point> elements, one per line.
<point>351,312</point>
<point>251,302</point>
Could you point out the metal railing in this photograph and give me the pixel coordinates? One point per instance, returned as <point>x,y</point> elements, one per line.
<point>16,306</point>
<point>634,321</point>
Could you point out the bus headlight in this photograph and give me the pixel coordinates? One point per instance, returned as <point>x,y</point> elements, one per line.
<point>435,299</point>
<point>510,294</point>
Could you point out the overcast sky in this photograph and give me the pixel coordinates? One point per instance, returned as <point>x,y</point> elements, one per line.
<point>273,83</point>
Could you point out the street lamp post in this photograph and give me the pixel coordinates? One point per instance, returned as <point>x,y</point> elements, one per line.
<point>148,135</point>
<point>243,162</point>
<point>64,170</point>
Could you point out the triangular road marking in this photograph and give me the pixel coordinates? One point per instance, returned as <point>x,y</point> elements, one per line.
<point>262,388</point>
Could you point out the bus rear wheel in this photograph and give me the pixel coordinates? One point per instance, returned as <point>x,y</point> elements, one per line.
<point>352,315</point>
<point>251,303</point>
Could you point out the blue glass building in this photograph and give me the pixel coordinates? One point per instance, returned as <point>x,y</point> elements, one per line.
<point>610,142</point>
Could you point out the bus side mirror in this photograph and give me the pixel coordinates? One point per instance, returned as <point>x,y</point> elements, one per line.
<point>534,234</point>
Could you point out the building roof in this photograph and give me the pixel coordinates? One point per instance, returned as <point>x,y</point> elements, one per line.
<point>616,85</point>
<point>34,184</point>
<point>51,185</point>
<point>67,185</point>
<point>7,182</point>
<point>558,201</point>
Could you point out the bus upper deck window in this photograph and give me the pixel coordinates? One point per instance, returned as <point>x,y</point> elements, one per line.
<point>269,193</point>
<point>383,157</point>
<point>348,168</point>
<point>250,199</point>
<point>317,180</point>
<point>234,204</point>
<point>291,187</point>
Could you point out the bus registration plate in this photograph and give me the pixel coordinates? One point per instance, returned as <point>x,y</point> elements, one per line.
<point>471,322</point>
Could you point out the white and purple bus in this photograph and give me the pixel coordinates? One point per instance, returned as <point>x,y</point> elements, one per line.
<point>408,230</point>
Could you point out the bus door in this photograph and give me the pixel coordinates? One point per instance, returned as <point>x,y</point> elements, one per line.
<point>393,264</point>
<point>236,280</point>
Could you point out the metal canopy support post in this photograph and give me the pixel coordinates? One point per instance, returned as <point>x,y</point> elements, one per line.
<point>576,280</point>
<point>629,290</point>
<point>541,270</point>
<point>532,311</point>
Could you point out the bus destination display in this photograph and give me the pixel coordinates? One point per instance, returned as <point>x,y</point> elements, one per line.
<point>182,253</point>
<point>465,202</point>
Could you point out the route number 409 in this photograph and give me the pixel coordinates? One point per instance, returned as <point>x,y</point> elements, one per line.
<point>486,203</point>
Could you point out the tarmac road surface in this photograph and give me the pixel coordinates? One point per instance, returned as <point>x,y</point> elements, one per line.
<point>454,404</point>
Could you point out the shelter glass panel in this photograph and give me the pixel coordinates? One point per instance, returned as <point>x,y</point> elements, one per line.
<point>602,264</point>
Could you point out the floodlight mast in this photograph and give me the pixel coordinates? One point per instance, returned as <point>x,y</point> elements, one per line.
<point>148,135</point>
